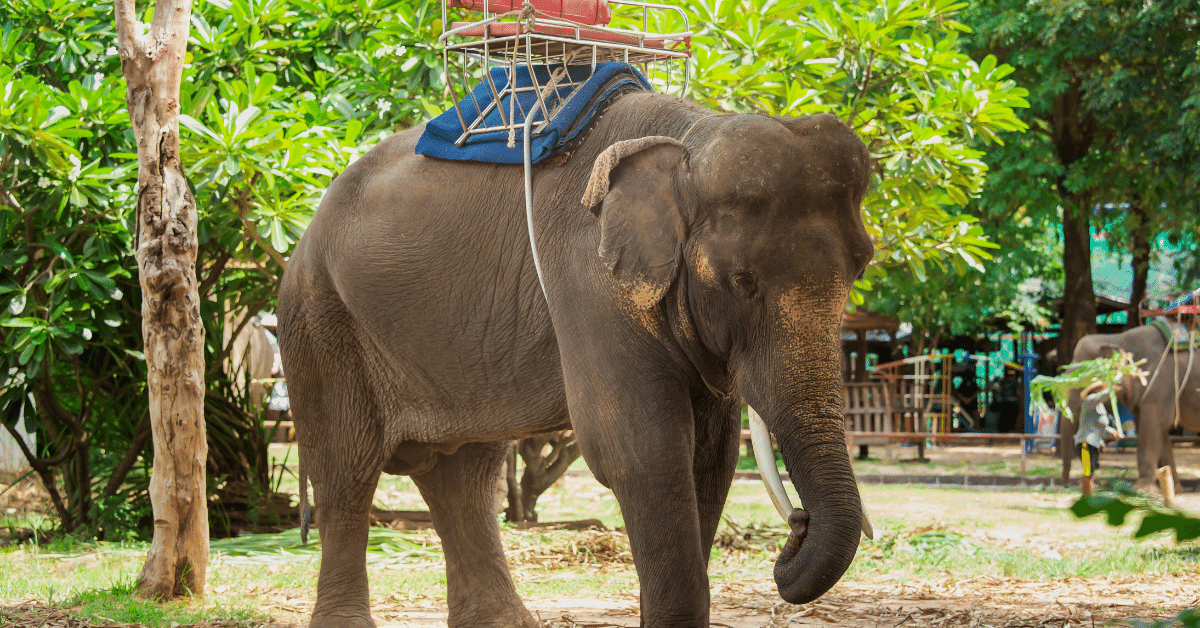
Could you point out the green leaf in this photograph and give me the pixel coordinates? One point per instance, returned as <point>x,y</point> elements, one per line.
<point>20,322</point>
<point>1114,509</point>
<point>1186,528</point>
<point>193,125</point>
<point>27,353</point>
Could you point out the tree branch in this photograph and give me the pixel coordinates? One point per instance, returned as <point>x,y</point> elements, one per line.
<point>45,470</point>
<point>141,436</point>
<point>244,212</point>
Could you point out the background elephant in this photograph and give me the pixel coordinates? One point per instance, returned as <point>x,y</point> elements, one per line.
<point>712,258</point>
<point>1153,408</point>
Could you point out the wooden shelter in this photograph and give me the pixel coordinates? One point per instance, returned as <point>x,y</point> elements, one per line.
<point>864,332</point>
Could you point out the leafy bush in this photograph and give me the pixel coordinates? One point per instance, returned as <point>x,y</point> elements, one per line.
<point>277,98</point>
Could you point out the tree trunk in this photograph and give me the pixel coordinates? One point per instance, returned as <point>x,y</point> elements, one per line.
<point>1079,299</point>
<point>1072,133</point>
<point>172,332</point>
<point>515,511</point>
<point>542,469</point>
<point>1140,244</point>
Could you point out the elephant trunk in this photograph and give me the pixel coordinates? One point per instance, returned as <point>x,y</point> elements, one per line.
<point>797,389</point>
<point>825,534</point>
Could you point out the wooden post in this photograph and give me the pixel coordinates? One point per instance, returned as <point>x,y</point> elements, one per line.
<point>152,62</point>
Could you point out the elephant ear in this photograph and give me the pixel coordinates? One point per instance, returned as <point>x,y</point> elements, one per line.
<point>642,229</point>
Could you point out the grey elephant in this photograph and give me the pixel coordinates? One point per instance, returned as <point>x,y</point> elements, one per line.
<point>712,258</point>
<point>1152,403</point>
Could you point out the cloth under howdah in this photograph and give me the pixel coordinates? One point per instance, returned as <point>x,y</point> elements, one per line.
<point>608,81</point>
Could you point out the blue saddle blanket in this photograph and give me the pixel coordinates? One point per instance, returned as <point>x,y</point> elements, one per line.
<point>441,132</point>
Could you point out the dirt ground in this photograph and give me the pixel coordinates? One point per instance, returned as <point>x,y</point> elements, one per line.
<point>1003,603</point>
<point>888,601</point>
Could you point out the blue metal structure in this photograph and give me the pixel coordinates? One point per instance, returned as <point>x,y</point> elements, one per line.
<point>1029,361</point>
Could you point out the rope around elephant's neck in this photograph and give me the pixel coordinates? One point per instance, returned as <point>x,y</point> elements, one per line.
<point>1154,375</point>
<point>1178,385</point>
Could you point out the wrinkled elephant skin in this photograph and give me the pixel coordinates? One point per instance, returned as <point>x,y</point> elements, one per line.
<point>714,261</point>
<point>1153,403</point>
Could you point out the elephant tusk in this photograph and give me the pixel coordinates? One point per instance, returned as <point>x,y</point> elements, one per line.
<point>867,529</point>
<point>764,454</point>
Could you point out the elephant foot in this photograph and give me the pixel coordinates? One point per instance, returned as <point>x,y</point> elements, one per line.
<point>494,617</point>
<point>1152,486</point>
<point>1147,486</point>
<point>331,620</point>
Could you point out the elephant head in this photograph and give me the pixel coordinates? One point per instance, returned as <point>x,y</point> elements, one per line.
<point>748,235</point>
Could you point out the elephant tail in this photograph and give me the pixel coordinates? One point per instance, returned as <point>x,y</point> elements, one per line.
<point>305,512</point>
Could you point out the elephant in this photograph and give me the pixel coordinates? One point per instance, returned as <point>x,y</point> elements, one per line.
<point>1152,402</point>
<point>712,258</point>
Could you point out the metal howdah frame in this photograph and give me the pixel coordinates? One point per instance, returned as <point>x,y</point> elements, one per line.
<point>532,37</point>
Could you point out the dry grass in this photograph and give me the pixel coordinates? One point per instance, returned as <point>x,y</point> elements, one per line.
<point>564,550</point>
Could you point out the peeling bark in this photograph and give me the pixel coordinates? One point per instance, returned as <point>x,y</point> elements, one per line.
<point>172,331</point>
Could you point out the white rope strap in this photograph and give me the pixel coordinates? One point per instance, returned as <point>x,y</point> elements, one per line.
<point>555,78</point>
<point>1179,385</point>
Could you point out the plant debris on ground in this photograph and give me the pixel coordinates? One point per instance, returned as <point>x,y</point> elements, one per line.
<point>941,558</point>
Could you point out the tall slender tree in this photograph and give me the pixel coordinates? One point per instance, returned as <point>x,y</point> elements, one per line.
<point>152,61</point>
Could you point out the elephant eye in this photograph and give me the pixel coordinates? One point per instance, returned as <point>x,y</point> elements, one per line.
<point>744,285</point>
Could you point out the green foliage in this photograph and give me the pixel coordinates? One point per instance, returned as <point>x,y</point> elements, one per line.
<point>1111,370</point>
<point>1189,618</point>
<point>895,73</point>
<point>1113,102</point>
<point>277,98</point>
<point>1154,518</point>
<point>69,363</point>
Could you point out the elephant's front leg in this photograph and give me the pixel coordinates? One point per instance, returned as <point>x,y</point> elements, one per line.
<point>1066,446</point>
<point>640,443</point>
<point>718,438</point>
<point>1154,449</point>
<point>461,495</point>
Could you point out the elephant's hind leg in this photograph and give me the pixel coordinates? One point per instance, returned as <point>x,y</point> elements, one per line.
<point>339,436</point>
<point>460,493</point>
<point>344,503</point>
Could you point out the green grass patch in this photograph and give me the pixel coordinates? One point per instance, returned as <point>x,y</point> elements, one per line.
<point>121,604</point>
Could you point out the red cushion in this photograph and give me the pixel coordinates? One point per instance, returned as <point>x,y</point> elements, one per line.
<point>581,11</point>
<point>505,29</point>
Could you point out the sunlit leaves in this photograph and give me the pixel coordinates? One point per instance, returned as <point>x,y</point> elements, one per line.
<point>278,97</point>
<point>894,72</point>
